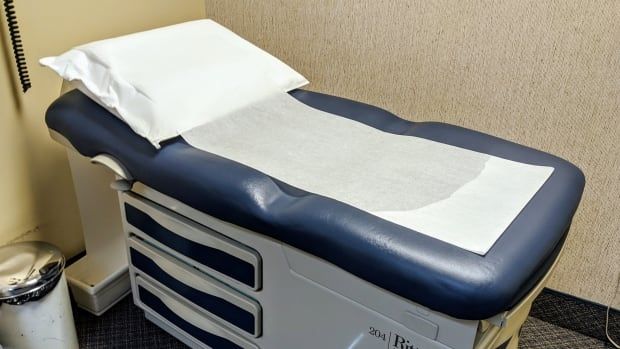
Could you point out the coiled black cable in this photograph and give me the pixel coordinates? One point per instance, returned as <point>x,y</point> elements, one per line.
<point>16,42</point>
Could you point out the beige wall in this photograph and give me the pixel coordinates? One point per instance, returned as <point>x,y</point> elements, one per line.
<point>542,73</point>
<point>36,195</point>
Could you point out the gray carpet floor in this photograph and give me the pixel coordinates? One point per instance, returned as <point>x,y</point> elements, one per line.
<point>539,334</point>
<point>124,326</point>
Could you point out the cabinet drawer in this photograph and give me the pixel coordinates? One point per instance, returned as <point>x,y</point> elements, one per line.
<point>206,293</point>
<point>175,313</point>
<point>199,246</point>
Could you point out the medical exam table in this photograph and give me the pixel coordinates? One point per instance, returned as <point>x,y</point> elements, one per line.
<point>224,256</point>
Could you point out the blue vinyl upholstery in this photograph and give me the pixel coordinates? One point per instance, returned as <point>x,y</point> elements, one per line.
<point>430,272</point>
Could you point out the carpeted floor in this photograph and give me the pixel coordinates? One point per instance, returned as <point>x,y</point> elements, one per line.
<point>124,326</point>
<point>538,334</point>
<point>575,314</point>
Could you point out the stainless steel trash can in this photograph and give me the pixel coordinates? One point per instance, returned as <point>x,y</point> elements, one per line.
<point>35,309</point>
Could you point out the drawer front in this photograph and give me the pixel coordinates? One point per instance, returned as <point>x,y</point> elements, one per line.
<point>182,317</point>
<point>193,243</point>
<point>206,293</point>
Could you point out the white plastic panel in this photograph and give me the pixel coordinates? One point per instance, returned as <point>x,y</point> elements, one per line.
<point>100,279</point>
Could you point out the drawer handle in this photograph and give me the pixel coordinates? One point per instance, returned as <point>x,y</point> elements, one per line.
<point>203,323</point>
<point>191,317</point>
<point>180,228</point>
<point>187,278</point>
<point>217,299</point>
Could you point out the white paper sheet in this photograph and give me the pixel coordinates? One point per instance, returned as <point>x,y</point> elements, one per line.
<point>459,196</point>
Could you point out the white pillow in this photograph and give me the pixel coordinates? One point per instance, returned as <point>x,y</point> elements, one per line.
<point>166,81</point>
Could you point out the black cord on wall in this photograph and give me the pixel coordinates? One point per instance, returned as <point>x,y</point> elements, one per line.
<point>16,42</point>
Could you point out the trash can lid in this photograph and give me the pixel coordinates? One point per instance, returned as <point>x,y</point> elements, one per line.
<point>28,271</point>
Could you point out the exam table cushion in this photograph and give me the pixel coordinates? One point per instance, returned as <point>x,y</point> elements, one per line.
<point>427,271</point>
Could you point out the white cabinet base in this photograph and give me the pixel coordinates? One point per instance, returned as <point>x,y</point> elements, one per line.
<point>101,278</point>
<point>94,289</point>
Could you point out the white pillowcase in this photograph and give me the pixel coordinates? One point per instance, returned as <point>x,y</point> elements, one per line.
<point>166,81</point>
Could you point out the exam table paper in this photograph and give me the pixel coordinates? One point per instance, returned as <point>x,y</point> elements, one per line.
<point>456,195</point>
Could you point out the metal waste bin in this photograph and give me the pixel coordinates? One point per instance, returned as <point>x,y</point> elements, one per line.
<point>35,309</point>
